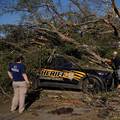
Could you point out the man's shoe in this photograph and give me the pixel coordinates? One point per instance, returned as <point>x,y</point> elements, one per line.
<point>12,111</point>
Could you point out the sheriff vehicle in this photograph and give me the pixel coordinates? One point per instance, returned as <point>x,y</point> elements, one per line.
<point>62,74</point>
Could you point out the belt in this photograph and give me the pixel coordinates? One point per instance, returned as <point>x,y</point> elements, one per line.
<point>18,80</point>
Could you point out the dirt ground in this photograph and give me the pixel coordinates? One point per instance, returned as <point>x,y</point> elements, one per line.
<point>65,105</point>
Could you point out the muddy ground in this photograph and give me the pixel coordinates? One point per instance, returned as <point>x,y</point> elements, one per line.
<point>65,105</point>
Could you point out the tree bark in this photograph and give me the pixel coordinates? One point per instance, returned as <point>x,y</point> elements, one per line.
<point>115,8</point>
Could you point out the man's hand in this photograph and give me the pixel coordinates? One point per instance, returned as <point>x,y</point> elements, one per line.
<point>10,75</point>
<point>29,84</point>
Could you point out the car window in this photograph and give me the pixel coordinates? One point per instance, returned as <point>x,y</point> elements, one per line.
<point>60,63</point>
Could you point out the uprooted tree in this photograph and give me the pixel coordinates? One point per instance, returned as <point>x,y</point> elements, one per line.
<point>76,28</point>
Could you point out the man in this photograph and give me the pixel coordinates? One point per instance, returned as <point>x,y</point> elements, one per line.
<point>115,63</point>
<point>17,73</point>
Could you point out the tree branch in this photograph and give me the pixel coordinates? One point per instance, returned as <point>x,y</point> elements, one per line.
<point>15,46</point>
<point>3,92</point>
<point>115,8</point>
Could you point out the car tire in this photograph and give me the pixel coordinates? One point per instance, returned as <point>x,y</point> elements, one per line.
<point>92,84</point>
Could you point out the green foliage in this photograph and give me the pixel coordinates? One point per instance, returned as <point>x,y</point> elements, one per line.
<point>103,51</point>
<point>38,28</point>
<point>33,61</point>
<point>5,82</point>
<point>71,50</point>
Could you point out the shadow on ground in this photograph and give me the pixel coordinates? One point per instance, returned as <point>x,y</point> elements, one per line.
<point>32,96</point>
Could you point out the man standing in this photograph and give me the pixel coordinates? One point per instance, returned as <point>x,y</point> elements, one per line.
<point>115,63</point>
<point>17,73</point>
<point>116,66</point>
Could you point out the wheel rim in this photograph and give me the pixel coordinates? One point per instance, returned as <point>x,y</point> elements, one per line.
<point>92,84</point>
